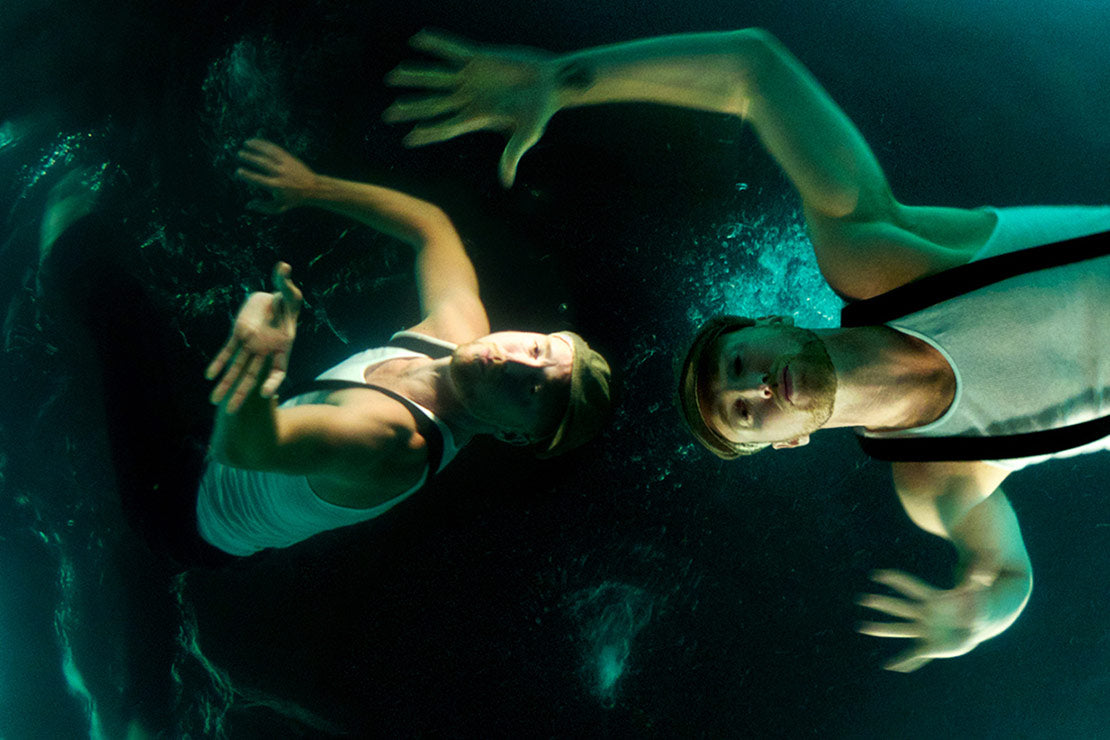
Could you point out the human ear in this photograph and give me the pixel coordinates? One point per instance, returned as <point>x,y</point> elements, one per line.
<point>791,443</point>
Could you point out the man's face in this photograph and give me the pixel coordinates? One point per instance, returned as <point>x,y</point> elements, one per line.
<point>517,381</point>
<point>771,382</point>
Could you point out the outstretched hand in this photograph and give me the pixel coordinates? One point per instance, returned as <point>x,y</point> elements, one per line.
<point>942,623</point>
<point>289,180</point>
<point>512,90</point>
<point>260,343</point>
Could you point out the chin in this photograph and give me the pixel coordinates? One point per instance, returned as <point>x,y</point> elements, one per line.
<point>464,377</point>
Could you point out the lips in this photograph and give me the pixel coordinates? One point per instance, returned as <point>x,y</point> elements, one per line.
<point>787,384</point>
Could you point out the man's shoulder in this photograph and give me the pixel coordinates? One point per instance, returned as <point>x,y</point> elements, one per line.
<point>367,417</point>
<point>375,451</point>
<point>863,258</point>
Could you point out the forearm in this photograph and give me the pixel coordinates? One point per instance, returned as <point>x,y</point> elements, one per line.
<point>706,71</point>
<point>245,438</point>
<point>389,211</point>
<point>993,557</point>
<point>442,265</point>
<point>745,73</point>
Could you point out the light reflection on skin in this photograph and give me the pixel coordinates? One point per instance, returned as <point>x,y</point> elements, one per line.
<point>770,383</point>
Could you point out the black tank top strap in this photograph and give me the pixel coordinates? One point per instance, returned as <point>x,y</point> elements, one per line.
<point>1001,447</point>
<point>943,286</point>
<point>950,284</point>
<point>428,429</point>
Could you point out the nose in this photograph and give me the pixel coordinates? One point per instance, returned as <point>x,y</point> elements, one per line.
<point>755,386</point>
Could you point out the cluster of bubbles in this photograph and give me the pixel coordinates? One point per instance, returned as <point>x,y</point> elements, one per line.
<point>756,264</point>
<point>609,617</point>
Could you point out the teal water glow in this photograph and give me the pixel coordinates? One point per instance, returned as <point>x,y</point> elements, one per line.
<point>208,708</point>
<point>245,95</point>
<point>63,619</point>
<point>610,666</point>
<point>8,135</point>
<point>609,618</point>
<point>761,262</point>
<point>66,151</point>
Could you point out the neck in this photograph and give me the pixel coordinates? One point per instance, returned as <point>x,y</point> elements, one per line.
<point>886,380</point>
<point>429,384</point>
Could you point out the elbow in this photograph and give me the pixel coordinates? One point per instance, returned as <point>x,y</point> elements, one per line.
<point>761,46</point>
<point>756,58</point>
<point>235,455</point>
<point>430,221</point>
<point>226,454</point>
<point>755,35</point>
<point>756,45</point>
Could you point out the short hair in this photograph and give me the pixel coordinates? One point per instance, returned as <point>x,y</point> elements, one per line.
<point>693,379</point>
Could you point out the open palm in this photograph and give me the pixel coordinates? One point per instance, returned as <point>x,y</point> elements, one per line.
<point>474,88</point>
<point>261,339</point>
<point>943,623</point>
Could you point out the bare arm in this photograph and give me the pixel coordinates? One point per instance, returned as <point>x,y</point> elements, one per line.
<point>371,450</point>
<point>866,242</point>
<point>963,503</point>
<point>367,454</point>
<point>748,74</point>
<point>451,308</point>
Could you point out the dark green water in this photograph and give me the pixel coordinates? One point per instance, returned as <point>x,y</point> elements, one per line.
<point>639,588</point>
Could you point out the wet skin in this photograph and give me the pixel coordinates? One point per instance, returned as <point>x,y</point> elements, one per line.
<point>516,381</point>
<point>768,383</point>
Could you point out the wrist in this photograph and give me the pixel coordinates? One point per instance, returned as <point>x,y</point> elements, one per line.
<point>569,76</point>
<point>321,190</point>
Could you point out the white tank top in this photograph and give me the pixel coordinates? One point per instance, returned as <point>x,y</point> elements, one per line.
<point>244,511</point>
<point>1031,352</point>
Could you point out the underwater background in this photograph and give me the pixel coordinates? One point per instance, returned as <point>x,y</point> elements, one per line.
<point>639,587</point>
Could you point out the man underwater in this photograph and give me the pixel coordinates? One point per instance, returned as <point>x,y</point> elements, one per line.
<point>951,369</point>
<point>372,430</point>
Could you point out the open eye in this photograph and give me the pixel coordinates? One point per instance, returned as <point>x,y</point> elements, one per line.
<point>536,349</point>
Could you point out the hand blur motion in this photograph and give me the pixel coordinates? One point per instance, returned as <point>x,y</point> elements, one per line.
<point>511,90</point>
<point>289,181</point>
<point>260,343</point>
<point>942,623</point>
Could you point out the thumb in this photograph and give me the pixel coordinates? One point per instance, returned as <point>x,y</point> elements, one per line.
<point>520,142</point>
<point>291,297</point>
